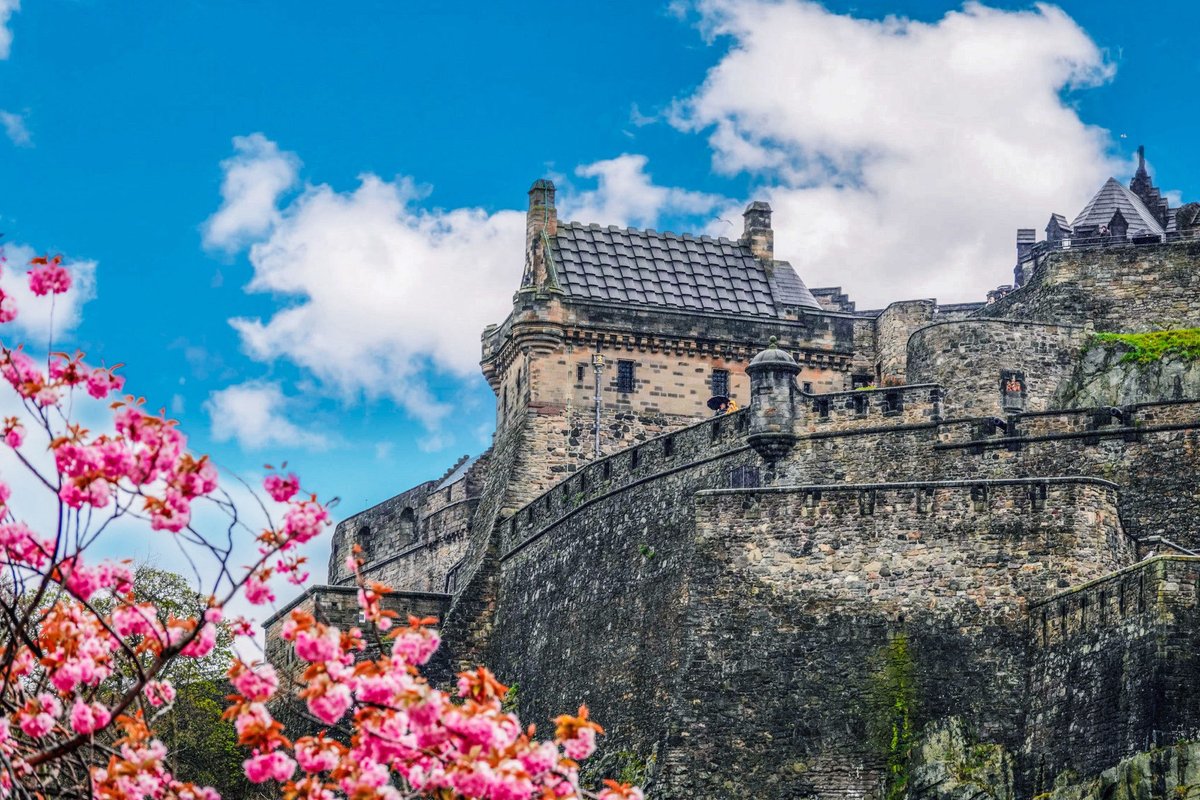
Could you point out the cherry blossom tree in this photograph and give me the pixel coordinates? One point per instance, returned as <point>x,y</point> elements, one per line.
<point>85,660</point>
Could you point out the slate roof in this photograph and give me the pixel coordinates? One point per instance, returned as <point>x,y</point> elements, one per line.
<point>695,273</point>
<point>457,473</point>
<point>1113,195</point>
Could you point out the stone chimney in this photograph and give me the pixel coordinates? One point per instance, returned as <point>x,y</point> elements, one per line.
<point>758,233</point>
<point>541,219</point>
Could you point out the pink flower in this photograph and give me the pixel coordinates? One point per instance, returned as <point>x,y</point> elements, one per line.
<point>581,745</point>
<point>159,693</point>
<point>101,381</point>
<point>203,644</point>
<point>87,719</point>
<point>305,521</point>
<point>14,436</point>
<point>258,592</point>
<point>269,766</point>
<point>258,684</point>
<point>314,646</point>
<point>330,704</point>
<point>281,489</point>
<point>8,307</point>
<point>48,276</point>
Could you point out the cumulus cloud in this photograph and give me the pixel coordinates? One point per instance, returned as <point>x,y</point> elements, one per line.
<point>900,156</point>
<point>255,415</point>
<point>7,9</point>
<point>255,177</point>
<point>378,291</point>
<point>41,318</point>
<point>15,128</point>
<point>627,195</point>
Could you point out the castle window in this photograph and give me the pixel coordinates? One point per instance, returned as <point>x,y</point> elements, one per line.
<point>363,540</point>
<point>408,526</point>
<point>860,405</point>
<point>715,430</point>
<point>606,470</point>
<point>625,377</point>
<point>822,407</point>
<point>860,381</point>
<point>449,493</point>
<point>669,446</point>
<point>744,478</point>
<point>893,403</point>
<point>806,387</point>
<point>720,382</point>
<point>634,457</point>
<point>580,372</point>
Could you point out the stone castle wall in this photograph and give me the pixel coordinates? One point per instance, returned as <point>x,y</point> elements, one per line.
<point>1122,288</point>
<point>967,357</point>
<point>1113,669</point>
<point>790,587</point>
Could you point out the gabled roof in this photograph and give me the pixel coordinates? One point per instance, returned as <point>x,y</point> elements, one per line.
<point>1114,196</point>
<point>645,267</point>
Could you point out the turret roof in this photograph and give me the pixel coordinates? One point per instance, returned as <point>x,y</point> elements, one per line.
<point>1114,196</point>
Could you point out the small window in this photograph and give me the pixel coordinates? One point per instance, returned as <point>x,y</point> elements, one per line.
<point>634,458</point>
<point>715,430</point>
<point>744,478</point>
<point>580,372</point>
<point>363,539</point>
<point>607,470</point>
<point>408,526</point>
<point>822,407</point>
<point>449,493</point>
<point>625,377</point>
<point>893,403</point>
<point>806,387</point>
<point>669,446</point>
<point>859,381</point>
<point>720,383</point>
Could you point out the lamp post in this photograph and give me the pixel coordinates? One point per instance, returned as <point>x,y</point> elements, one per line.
<point>597,367</point>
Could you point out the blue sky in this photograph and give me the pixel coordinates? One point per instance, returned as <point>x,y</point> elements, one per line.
<point>383,150</point>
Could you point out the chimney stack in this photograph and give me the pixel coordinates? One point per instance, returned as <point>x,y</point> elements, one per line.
<point>541,220</point>
<point>758,233</point>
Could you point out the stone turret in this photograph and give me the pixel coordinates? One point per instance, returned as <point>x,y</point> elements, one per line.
<point>758,233</point>
<point>1147,192</point>
<point>773,402</point>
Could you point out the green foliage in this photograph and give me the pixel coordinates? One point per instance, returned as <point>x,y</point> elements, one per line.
<point>512,700</point>
<point>647,551</point>
<point>1146,348</point>
<point>623,766</point>
<point>893,699</point>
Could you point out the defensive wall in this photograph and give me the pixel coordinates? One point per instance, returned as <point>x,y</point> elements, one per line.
<point>1113,669</point>
<point>796,599</point>
<point>1124,288</point>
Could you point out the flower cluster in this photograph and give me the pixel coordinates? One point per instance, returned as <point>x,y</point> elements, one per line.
<point>81,666</point>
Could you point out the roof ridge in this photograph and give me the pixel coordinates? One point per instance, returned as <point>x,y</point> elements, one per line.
<point>696,237</point>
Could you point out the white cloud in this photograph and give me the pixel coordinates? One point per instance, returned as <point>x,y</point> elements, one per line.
<point>39,317</point>
<point>378,291</point>
<point>627,195</point>
<point>255,176</point>
<point>14,127</point>
<point>7,9</point>
<point>901,156</point>
<point>255,415</point>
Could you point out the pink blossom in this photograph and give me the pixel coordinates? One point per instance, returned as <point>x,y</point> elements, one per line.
<point>159,693</point>
<point>100,382</point>
<point>203,644</point>
<point>581,745</point>
<point>257,685</point>
<point>258,592</point>
<point>87,719</point>
<point>330,705</point>
<point>305,521</point>
<point>15,435</point>
<point>324,645</point>
<point>316,754</point>
<point>48,276</point>
<point>269,766</point>
<point>8,307</point>
<point>281,489</point>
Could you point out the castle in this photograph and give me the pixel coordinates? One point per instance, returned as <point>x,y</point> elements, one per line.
<point>940,550</point>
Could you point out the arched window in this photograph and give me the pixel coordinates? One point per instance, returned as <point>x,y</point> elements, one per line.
<point>408,526</point>
<point>363,540</point>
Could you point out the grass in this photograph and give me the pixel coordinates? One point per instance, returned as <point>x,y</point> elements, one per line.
<point>1147,348</point>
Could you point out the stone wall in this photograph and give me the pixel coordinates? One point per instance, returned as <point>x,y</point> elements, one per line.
<point>892,329</point>
<point>1123,288</point>
<point>968,358</point>
<point>1102,377</point>
<point>1114,669</point>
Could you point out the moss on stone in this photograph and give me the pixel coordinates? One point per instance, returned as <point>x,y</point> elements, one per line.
<point>893,701</point>
<point>1146,348</point>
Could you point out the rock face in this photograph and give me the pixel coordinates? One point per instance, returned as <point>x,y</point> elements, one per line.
<point>1103,378</point>
<point>1171,773</point>
<point>949,765</point>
